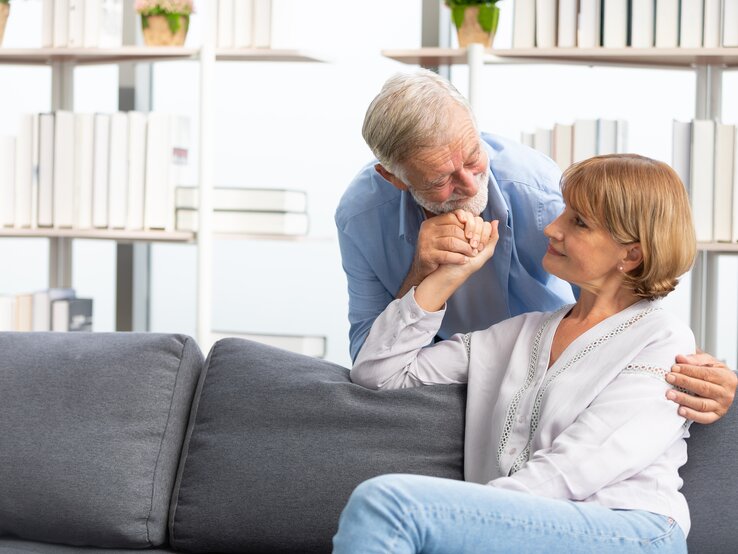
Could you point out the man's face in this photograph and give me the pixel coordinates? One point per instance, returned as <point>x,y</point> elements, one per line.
<point>453,175</point>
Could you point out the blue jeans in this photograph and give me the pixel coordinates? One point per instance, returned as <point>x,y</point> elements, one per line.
<point>411,513</point>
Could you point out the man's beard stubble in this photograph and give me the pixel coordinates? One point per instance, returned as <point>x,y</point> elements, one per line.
<point>475,204</point>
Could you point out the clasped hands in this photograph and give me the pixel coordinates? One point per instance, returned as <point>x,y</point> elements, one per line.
<point>457,239</point>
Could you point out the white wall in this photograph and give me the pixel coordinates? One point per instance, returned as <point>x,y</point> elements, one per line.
<point>299,126</point>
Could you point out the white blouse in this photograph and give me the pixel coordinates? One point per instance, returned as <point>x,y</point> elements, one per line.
<point>594,427</point>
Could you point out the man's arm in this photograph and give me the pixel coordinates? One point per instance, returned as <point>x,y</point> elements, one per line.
<point>712,383</point>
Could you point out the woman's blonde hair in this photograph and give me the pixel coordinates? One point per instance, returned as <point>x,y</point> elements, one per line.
<point>637,199</point>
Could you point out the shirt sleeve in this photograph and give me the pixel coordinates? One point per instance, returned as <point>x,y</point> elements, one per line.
<point>367,295</point>
<point>628,426</point>
<point>396,352</point>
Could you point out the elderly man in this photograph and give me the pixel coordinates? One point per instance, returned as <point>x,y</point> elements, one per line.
<point>396,224</point>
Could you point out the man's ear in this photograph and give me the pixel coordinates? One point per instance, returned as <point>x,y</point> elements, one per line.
<point>391,177</point>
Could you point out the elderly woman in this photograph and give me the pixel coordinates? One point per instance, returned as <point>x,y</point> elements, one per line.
<point>571,444</point>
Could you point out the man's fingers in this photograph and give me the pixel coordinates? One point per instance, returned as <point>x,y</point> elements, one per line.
<point>696,385</point>
<point>698,417</point>
<point>700,358</point>
<point>718,374</point>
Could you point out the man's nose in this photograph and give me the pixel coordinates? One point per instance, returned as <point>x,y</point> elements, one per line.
<point>467,184</point>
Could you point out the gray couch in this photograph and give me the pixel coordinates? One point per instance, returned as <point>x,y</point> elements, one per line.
<point>116,442</point>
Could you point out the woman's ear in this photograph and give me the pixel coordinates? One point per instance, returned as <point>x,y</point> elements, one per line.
<point>391,177</point>
<point>633,257</point>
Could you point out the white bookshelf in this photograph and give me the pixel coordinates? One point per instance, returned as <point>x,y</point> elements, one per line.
<point>708,65</point>
<point>62,61</point>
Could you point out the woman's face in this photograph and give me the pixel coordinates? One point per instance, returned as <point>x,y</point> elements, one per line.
<point>582,253</point>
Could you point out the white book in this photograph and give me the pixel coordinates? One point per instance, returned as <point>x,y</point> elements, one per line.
<point>615,23</point>
<point>23,312</point>
<point>24,172</point>
<point>76,23</point>
<point>300,344</point>
<point>711,31</point>
<point>247,222</point>
<point>621,145</point>
<point>7,181</point>
<point>61,23</point>
<point>667,24</point>
<point>35,172</point>
<point>702,178</point>
<point>136,169</point>
<point>100,171</point>
<point>589,23</point>
<point>252,199</point>
<point>585,139</point>
<point>42,306</point>
<point>64,169</point>
<point>92,17</point>
<point>45,209</point>
<point>262,31</point>
<point>723,201</point>
<point>285,29</point>
<point>524,24</point>
<point>642,23</point>
<point>7,312</point>
<point>607,136</point>
<point>734,218</point>
<point>681,150</point>
<point>225,23</point>
<point>211,14</point>
<point>567,31</point>
<point>243,23</point>
<point>71,314</point>
<point>528,139</point>
<point>563,142</point>
<point>47,23</point>
<point>730,23</point>
<point>118,171</point>
<point>543,141</point>
<point>84,164</point>
<point>546,23</point>
<point>111,24</point>
<point>691,23</point>
<point>167,147</point>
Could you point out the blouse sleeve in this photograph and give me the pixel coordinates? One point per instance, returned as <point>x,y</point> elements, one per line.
<point>625,429</point>
<point>396,352</point>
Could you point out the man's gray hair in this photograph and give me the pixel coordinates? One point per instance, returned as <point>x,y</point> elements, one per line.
<point>410,113</point>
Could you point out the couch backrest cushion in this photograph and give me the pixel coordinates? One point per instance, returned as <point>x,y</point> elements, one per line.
<point>711,485</point>
<point>91,429</point>
<point>277,441</point>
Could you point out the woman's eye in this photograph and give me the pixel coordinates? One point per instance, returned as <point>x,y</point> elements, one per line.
<point>579,222</point>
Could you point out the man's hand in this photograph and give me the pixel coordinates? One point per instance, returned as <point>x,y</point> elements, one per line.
<point>711,382</point>
<point>450,238</point>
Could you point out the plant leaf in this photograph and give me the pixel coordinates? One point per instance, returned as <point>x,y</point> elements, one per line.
<point>457,14</point>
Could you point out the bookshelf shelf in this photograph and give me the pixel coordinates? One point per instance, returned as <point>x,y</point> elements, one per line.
<point>95,56</point>
<point>652,58</point>
<point>718,247</point>
<point>265,55</point>
<point>102,234</point>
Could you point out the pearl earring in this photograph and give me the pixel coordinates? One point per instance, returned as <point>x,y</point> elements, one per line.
<point>620,268</point>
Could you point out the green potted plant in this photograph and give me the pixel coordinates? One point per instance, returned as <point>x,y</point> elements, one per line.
<point>4,12</point>
<point>165,22</point>
<point>475,20</point>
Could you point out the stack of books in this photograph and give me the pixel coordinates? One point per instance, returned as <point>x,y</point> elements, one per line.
<point>246,211</point>
<point>625,23</point>
<point>705,154</point>
<point>82,23</point>
<point>55,309</point>
<point>569,143</point>
<point>93,171</point>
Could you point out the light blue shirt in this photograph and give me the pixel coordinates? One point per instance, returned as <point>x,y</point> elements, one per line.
<point>378,227</point>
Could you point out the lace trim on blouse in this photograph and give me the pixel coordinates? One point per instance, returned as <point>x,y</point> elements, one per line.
<point>651,371</point>
<point>524,456</point>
